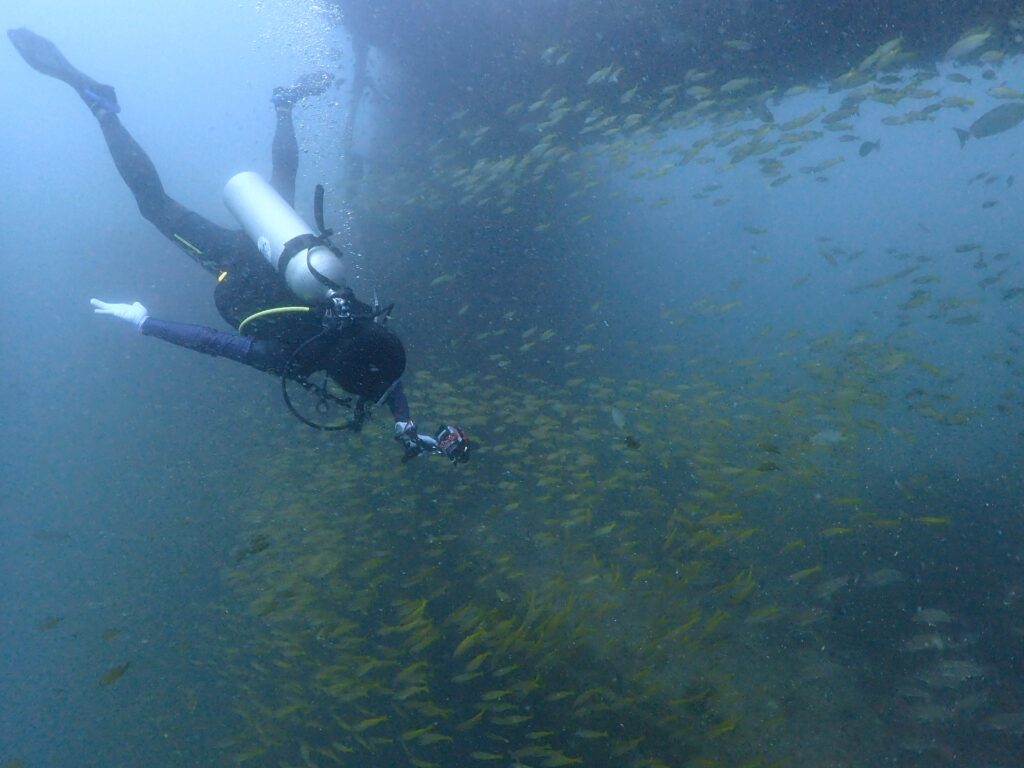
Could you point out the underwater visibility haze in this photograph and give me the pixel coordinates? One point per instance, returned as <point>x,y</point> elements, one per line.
<point>726,295</point>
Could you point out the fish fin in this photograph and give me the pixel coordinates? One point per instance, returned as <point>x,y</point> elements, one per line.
<point>963,136</point>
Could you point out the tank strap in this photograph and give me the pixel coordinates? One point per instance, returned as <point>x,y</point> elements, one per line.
<point>318,211</point>
<point>304,243</point>
<point>294,246</point>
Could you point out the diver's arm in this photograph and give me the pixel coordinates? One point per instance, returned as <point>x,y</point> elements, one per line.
<point>450,440</point>
<point>405,427</point>
<point>397,403</point>
<point>261,354</point>
<point>264,355</point>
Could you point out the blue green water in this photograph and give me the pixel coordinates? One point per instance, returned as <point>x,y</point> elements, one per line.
<point>747,479</point>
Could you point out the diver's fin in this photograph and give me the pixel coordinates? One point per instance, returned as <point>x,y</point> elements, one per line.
<point>312,84</point>
<point>43,56</point>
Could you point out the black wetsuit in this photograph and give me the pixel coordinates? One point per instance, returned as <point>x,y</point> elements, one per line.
<point>246,281</point>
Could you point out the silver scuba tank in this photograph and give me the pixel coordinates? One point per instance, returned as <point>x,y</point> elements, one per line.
<point>276,229</point>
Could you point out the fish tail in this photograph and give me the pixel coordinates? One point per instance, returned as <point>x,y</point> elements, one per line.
<point>963,136</point>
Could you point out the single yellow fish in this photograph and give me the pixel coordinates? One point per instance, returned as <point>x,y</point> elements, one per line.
<point>114,674</point>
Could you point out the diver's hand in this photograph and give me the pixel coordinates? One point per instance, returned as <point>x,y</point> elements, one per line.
<point>405,433</point>
<point>414,443</point>
<point>135,314</point>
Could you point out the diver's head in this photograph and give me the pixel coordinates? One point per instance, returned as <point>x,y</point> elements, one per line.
<point>367,359</point>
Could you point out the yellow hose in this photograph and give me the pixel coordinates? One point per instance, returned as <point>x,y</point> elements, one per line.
<point>267,312</point>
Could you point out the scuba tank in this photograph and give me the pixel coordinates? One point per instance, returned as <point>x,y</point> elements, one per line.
<point>310,265</point>
<point>363,358</point>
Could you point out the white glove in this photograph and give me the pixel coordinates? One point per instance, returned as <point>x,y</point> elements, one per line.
<point>405,430</point>
<point>135,314</point>
<point>405,433</point>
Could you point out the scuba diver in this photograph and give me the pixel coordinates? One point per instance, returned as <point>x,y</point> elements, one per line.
<point>278,283</point>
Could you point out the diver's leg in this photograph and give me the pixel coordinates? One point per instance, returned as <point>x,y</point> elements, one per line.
<point>285,149</point>
<point>140,175</point>
<point>211,246</point>
<point>285,154</point>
